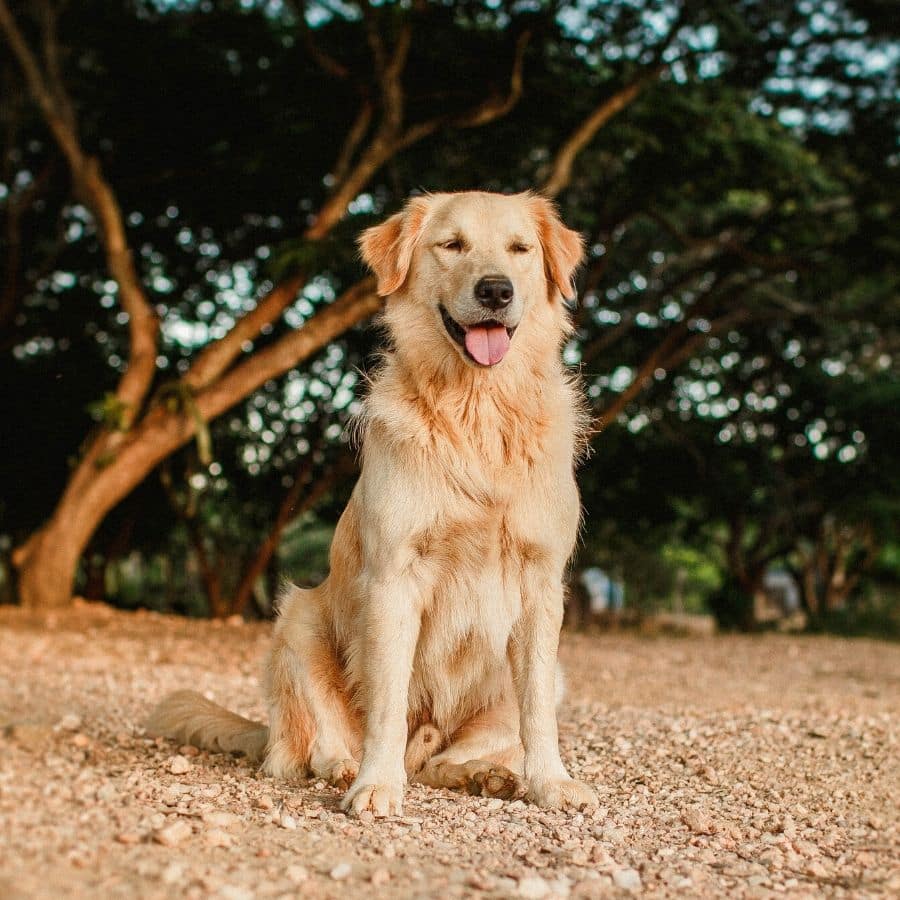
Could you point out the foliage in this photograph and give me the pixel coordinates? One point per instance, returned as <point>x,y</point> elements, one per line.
<point>738,325</point>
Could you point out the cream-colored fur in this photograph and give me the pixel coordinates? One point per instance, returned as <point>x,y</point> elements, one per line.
<point>430,650</point>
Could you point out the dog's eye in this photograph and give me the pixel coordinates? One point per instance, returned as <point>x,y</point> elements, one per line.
<point>454,246</point>
<point>518,247</point>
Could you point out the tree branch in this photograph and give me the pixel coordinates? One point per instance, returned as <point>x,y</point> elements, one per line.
<point>216,357</point>
<point>561,168</point>
<point>325,61</point>
<point>354,138</point>
<point>673,351</point>
<point>353,306</point>
<point>490,109</point>
<point>91,187</point>
<point>294,504</point>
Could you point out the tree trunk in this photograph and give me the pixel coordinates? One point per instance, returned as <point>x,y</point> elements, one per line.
<point>210,572</point>
<point>47,561</point>
<point>810,587</point>
<point>7,579</point>
<point>291,507</point>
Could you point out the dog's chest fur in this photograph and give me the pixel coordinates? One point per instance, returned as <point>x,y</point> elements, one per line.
<point>493,476</point>
<point>494,498</point>
<point>467,620</point>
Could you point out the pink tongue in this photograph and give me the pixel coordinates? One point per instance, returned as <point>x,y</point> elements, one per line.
<point>487,343</point>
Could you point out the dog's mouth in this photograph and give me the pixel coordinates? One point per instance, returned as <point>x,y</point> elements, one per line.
<point>485,343</point>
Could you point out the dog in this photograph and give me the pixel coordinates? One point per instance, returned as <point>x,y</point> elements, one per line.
<point>429,654</point>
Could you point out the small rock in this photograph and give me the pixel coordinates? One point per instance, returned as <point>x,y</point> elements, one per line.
<point>218,818</point>
<point>179,765</point>
<point>70,722</point>
<point>234,892</point>
<point>264,802</point>
<point>287,821</point>
<point>380,876</point>
<point>494,804</point>
<point>341,871</point>
<point>627,879</point>
<point>81,740</point>
<point>172,835</point>
<point>106,793</point>
<point>297,873</point>
<point>172,873</point>
<point>698,821</point>
<point>534,887</point>
<point>128,837</point>
<point>215,837</point>
<point>189,750</point>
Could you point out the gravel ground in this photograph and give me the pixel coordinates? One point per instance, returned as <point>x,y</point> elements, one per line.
<point>733,767</point>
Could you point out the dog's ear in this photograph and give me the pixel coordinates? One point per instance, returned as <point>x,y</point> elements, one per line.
<point>387,249</point>
<point>563,248</point>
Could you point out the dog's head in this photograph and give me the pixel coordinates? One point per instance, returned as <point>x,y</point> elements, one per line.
<point>480,270</point>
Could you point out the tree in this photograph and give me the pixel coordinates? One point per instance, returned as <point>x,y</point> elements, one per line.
<point>137,433</point>
<point>622,110</point>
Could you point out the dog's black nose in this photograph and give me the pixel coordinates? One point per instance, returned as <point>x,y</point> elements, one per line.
<point>494,291</point>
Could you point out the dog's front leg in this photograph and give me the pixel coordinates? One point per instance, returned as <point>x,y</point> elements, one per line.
<point>391,629</point>
<point>532,653</point>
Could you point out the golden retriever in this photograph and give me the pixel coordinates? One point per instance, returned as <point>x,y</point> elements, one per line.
<point>429,653</point>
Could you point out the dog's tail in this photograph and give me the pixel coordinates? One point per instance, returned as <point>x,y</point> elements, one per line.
<point>189,718</point>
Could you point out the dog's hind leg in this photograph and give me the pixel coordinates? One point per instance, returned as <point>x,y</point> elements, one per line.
<point>312,728</point>
<point>484,756</point>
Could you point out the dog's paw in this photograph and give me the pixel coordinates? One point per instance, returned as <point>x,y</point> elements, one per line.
<point>339,773</point>
<point>498,781</point>
<point>379,799</point>
<point>561,793</point>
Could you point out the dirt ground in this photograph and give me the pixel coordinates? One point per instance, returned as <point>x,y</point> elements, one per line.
<point>733,767</point>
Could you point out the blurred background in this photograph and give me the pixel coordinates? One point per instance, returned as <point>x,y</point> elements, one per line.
<point>185,327</point>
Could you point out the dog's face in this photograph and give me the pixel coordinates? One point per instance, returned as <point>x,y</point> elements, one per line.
<point>479,263</point>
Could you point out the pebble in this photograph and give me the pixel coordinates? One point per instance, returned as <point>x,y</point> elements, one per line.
<point>107,793</point>
<point>780,813</point>
<point>218,818</point>
<point>179,765</point>
<point>215,837</point>
<point>341,871</point>
<point>627,879</point>
<point>235,892</point>
<point>128,837</point>
<point>698,822</point>
<point>172,835</point>
<point>172,873</point>
<point>533,887</point>
<point>297,873</point>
